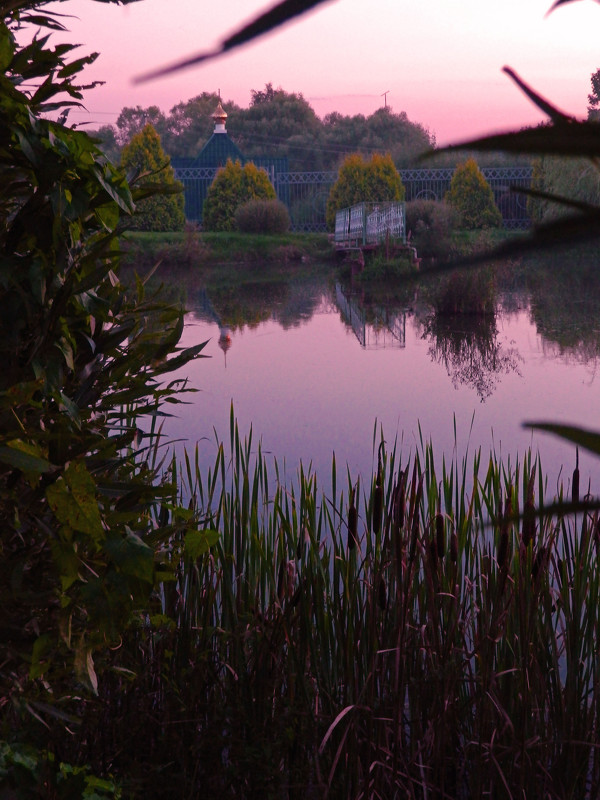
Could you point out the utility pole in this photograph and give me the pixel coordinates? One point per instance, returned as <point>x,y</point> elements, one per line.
<point>384,95</point>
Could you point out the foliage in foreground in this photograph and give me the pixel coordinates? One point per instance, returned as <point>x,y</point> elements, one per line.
<point>424,635</point>
<point>83,368</point>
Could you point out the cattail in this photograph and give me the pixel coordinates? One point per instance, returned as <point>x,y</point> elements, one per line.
<point>537,562</point>
<point>377,502</point>
<point>433,554</point>
<point>528,534</point>
<point>163,517</point>
<point>528,523</point>
<point>382,594</point>
<point>454,547</point>
<point>575,485</point>
<point>440,535</point>
<point>414,535</point>
<point>596,532</point>
<point>352,523</point>
<point>504,540</point>
<point>280,581</point>
<point>401,499</point>
<point>398,519</point>
<point>503,549</point>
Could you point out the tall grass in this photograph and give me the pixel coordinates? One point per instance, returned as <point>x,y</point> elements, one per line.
<point>414,637</point>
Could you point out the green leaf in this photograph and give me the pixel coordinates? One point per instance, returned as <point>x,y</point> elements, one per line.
<point>6,47</point>
<point>39,656</point>
<point>589,440</point>
<point>277,15</point>
<point>84,667</point>
<point>24,456</point>
<point>72,499</point>
<point>131,555</point>
<point>197,543</point>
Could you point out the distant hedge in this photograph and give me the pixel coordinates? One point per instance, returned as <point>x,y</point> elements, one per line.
<point>472,198</point>
<point>233,186</point>
<point>360,181</point>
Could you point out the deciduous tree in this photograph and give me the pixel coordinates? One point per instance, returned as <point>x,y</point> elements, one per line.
<point>145,159</point>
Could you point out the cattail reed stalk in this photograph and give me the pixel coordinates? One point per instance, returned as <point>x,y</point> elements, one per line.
<point>352,523</point>
<point>453,547</point>
<point>529,526</point>
<point>440,535</point>
<point>575,484</point>
<point>503,544</point>
<point>596,532</point>
<point>538,562</point>
<point>399,512</point>
<point>377,501</point>
<point>382,594</point>
<point>433,554</point>
<point>281,581</point>
<point>414,534</point>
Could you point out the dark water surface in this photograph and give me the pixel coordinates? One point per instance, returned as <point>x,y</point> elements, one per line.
<point>312,367</point>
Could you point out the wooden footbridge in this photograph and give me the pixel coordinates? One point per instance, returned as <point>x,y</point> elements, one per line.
<point>369,225</point>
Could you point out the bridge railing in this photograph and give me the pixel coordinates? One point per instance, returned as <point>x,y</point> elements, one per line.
<point>370,223</point>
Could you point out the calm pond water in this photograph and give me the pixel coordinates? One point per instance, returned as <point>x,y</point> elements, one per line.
<point>313,366</point>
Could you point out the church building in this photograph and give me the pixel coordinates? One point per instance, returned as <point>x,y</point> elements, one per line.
<point>198,173</point>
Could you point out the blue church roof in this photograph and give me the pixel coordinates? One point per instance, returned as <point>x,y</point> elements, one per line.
<point>216,151</point>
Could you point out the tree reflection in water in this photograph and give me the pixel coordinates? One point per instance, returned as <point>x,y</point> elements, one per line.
<point>468,347</point>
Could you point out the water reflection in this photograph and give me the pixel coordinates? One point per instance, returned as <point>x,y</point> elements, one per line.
<point>311,383</point>
<point>375,327</point>
<point>469,348</point>
<point>565,304</point>
<point>562,299</point>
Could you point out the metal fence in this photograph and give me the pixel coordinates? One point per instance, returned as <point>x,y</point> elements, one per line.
<point>305,193</point>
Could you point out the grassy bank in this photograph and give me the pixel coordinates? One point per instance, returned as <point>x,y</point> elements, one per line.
<point>192,248</point>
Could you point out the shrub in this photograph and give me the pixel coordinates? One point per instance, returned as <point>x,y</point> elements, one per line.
<point>464,292</point>
<point>262,216</point>
<point>364,181</point>
<point>472,197</point>
<point>233,186</point>
<point>430,224</point>
<point>576,178</point>
<point>145,157</point>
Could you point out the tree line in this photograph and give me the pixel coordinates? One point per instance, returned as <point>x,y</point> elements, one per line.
<point>277,124</point>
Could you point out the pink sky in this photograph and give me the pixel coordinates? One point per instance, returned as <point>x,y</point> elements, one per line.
<point>440,61</point>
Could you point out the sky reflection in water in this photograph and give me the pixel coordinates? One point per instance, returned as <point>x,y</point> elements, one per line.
<point>310,384</point>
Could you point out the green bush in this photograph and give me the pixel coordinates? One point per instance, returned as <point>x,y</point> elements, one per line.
<point>576,178</point>
<point>360,181</point>
<point>233,186</point>
<point>472,197</point>
<point>262,216</point>
<point>147,163</point>
<point>463,292</point>
<point>430,224</point>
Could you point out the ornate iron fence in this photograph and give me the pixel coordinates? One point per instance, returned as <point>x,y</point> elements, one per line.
<point>305,193</point>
